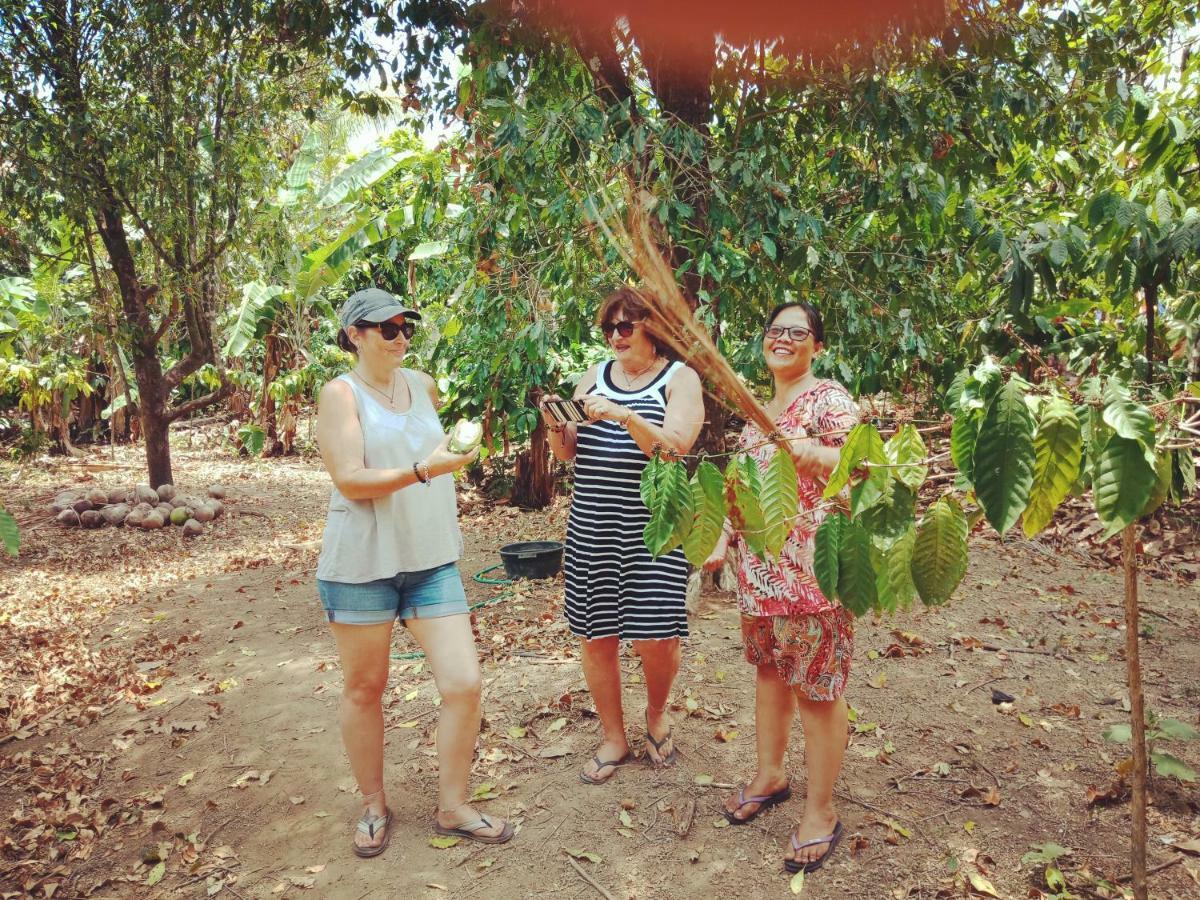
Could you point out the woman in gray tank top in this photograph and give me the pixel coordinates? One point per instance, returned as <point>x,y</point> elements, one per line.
<point>390,552</point>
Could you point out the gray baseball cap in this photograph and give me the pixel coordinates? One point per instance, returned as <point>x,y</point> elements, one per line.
<point>373,305</point>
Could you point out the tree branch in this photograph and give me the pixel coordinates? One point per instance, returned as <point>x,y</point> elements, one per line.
<point>187,408</point>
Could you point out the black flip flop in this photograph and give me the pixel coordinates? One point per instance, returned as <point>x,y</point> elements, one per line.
<point>601,764</point>
<point>764,802</point>
<point>468,830</point>
<point>669,759</point>
<point>370,826</point>
<point>832,840</point>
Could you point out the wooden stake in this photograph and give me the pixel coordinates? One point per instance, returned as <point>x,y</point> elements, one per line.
<point>1137,711</point>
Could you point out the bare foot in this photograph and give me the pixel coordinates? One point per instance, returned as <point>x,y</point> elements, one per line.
<point>658,731</point>
<point>760,786</point>
<point>610,752</point>
<point>815,824</point>
<point>466,815</point>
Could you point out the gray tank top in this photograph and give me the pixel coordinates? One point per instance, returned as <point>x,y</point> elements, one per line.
<point>409,530</point>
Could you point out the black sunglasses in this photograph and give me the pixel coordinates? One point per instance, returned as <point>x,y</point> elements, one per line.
<point>390,330</point>
<point>624,329</point>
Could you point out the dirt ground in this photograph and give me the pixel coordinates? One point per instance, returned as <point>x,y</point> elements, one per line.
<point>168,724</point>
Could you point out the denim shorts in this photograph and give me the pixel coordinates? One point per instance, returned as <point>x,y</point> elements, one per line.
<point>428,594</point>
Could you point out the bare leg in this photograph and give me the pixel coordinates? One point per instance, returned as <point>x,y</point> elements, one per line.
<point>824,725</point>
<point>364,650</point>
<point>602,672</point>
<point>449,646</point>
<point>660,665</point>
<point>774,709</point>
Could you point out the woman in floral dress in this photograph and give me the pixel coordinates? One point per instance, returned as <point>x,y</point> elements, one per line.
<point>799,641</point>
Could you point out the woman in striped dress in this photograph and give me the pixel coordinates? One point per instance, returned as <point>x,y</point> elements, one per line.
<point>615,591</point>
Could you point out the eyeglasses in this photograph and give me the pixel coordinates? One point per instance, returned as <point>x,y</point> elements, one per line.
<point>389,330</point>
<point>797,333</point>
<point>624,329</point>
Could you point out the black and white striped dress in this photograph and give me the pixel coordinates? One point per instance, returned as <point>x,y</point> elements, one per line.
<point>614,587</point>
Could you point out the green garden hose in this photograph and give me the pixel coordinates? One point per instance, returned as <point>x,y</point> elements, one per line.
<point>478,578</point>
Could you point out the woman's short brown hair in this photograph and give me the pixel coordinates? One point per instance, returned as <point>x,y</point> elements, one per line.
<point>632,302</point>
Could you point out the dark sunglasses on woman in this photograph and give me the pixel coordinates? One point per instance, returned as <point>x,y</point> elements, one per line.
<point>390,330</point>
<point>624,329</point>
<point>797,333</point>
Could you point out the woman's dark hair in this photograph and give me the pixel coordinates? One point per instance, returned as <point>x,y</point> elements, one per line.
<point>344,342</point>
<point>632,302</point>
<point>814,318</point>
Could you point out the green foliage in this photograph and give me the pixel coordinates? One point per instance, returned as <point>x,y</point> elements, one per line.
<point>1002,468</point>
<point>827,543</point>
<point>939,559</point>
<point>743,489</point>
<point>9,533</point>
<point>1058,451</point>
<point>856,587</point>
<point>1160,728</point>
<point>779,501</point>
<point>708,507</point>
<point>668,495</point>
<point>1124,479</point>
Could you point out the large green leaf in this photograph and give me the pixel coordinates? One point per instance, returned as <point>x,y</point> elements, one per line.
<point>939,559</point>
<point>1124,483</point>
<point>906,450</point>
<point>708,513</point>
<point>302,165</point>
<point>964,434</point>
<point>746,509</point>
<point>671,516</point>
<point>886,522</point>
<point>1171,766</point>
<point>9,533</point>
<point>1127,417</point>
<point>1058,451</point>
<point>827,544</point>
<point>1004,457</point>
<point>325,266</point>
<point>428,250</point>
<point>893,571</point>
<point>255,297</point>
<point>854,451</point>
<point>780,501</point>
<point>361,174</point>
<point>856,576</point>
<point>651,476</point>
<point>899,557</point>
<point>876,487</point>
<point>1164,469</point>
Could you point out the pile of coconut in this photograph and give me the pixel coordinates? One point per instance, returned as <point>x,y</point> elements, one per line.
<point>141,506</point>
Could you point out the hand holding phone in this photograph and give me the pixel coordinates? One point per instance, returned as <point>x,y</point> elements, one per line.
<point>563,412</point>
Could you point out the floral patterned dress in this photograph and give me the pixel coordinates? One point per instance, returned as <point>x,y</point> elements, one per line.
<point>785,617</point>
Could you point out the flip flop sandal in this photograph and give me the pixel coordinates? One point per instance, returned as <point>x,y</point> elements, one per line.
<point>765,802</point>
<point>832,840</point>
<point>469,830</point>
<point>667,760</point>
<point>601,764</point>
<point>370,825</point>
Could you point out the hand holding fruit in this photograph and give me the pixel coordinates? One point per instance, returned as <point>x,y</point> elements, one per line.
<point>443,460</point>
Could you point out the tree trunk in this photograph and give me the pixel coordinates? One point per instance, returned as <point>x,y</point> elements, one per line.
<point>1151,299</point>
<point>1137,711</point>
<point>267,418</point>
<point>534,484</point>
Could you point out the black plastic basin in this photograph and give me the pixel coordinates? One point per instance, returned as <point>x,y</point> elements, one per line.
<point>532,559</point>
